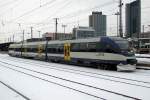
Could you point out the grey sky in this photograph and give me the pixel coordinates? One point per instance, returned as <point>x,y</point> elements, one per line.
<point>70,12</point>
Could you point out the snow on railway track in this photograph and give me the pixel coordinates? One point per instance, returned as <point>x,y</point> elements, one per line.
<point>99,83</point>
<point>74,69</point>
<point>10,92</point>
<point>73,85</point>
<point>90,74</point>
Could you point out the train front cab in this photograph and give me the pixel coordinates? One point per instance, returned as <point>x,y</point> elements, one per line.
<point>129,63</point>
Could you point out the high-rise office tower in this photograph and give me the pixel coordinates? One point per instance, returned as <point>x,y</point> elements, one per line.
<point>98,22</point>
<point>133,19</point>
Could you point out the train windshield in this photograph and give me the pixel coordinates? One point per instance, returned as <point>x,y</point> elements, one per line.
<point>124,45</point>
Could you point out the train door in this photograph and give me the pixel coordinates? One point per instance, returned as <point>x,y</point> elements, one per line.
<point>67,51</point>
<point>40,50</point>
<point>25,50</point>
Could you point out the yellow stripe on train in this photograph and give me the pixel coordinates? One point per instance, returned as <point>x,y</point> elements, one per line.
<point>67,52</point>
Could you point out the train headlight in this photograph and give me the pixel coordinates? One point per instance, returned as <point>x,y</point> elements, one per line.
<point>131,51</point>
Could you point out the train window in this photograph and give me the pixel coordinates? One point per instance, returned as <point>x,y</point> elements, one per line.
<point>124,45</point>
<point>11,48</point>
<point>17,49</point>
<point>55,48</point>
<point>91,47</point>
<point>99,47</point>
<point>75,47</point>
<point>33,50</point>
<point>52,48</point>
<point>49,48</point>
<point>30,49</point>
<point>22,49</point>
<point>51,45</point>
<point>60,49</point>
<point>83,47</point>
<point>111,49</point>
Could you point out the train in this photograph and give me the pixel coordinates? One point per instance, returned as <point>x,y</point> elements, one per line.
<point>101,52</point>
<point>144,49</point>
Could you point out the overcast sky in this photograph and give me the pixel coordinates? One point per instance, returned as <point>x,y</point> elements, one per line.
<point>18,15</point>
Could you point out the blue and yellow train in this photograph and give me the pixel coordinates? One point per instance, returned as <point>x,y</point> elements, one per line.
<point>104,52</point>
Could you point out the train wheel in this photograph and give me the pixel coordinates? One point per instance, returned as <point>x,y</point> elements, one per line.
<point>113,67</point>
<point>101,66</point>
<point>93,64</point>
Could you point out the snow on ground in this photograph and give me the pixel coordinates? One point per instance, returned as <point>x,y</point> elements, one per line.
<point>143,58</point>
<point>7,94</point>
<point>142,55</point>
<point>37,89</point>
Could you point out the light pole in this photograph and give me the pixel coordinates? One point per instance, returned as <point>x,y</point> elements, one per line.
<point>64,26</point>
<point>28,35</point>
<point>149,27</point>
<point>13,38</point>
<point>23,36</point>
<point>39,33</point>
<point>117,14</point>
<point>120,18</point>
<point>31,32</point>
<point>19,24</point>
<point>143,26</point>
<point>56,23</point>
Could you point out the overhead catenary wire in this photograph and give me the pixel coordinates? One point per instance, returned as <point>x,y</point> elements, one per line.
<point>8,3</point>
<point>83,11</point>
<point>32,10</point>
<point>79,12</point>
<point>58,10</point>
<point>70,15</point>
<point>6,11</point>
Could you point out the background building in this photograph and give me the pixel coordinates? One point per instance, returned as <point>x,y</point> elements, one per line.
<point>83,32</point>
<point>144,39</point>
<point>98,22</point>
<point>60,36</point>
<point>141,44</point>
<point>133,19</point>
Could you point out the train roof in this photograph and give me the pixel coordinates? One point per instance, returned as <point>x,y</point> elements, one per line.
<point>95,39</point>
<point>14,45</point>
<point>75,41</point>
<point>117,38</point>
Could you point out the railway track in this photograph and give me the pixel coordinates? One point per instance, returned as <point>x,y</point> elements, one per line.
<point>143,72</point>
<point>91,74</point>
<point>34,76</point>
<point>14,90</point>
<point>144,68</point>
<point>5,64</point>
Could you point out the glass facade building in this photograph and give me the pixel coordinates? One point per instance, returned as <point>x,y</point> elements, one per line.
<point>133,19</point>
<point>83,32</point>
<point>98,22</point>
